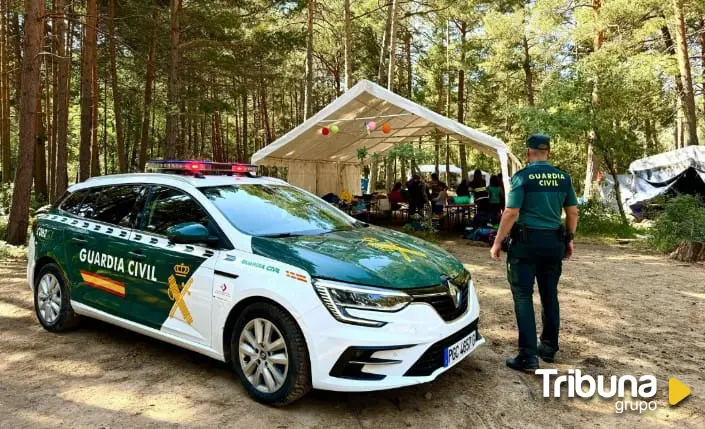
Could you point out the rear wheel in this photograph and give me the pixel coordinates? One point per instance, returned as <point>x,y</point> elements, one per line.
<point>269,355</point>
<point>52,303</point>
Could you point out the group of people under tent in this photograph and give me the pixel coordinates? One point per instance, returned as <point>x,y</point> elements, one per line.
<point>420,194</point>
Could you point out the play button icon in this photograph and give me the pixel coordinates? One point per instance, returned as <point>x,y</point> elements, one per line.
<point>677,391</point>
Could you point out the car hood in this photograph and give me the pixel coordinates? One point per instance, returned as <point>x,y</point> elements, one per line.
<point>367,256</point>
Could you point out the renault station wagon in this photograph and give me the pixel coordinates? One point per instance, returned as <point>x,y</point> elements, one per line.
<point>252,271</point>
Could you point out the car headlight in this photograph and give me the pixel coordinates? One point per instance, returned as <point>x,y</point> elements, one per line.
<point>339,297</point>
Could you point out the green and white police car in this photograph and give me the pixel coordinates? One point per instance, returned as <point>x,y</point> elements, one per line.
<point>294,293</point>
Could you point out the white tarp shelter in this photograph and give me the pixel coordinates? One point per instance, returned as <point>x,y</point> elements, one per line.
<point>329,163</point>
<point>655,175</point>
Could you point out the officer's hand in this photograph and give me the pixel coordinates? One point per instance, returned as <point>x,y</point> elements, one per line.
<point>495,251</point>
<point>569,249</point>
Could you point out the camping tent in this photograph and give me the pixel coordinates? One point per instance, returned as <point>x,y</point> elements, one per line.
<point>329,163</point>
<point>678,171</point>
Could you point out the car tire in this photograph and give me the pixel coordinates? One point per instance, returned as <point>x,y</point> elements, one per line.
<point>52,302</point>
<point>265,377</point>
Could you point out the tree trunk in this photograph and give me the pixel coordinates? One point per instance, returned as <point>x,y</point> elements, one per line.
<point>308,108</point>
<point>392,45</point>
<point>347,42</point>
<point>461,100</point>
<point>117,105</point>
<point>19,211</point>
<point>381,75</point>
<point>172,113</point>
<point>62,98</point>
<point>702,60</point>
<point>689,252</point>
<point>617,190</point>
<point>148,81</point>
<point>5,143</point>
<point>671,50</point>
<point>51,114</point>
<point>409,70</point>
<point>95,150</point>
<point>590,164</point>
<point>89,42</point>
<point>245,154</point>
<point>691,127</point>
<point>528,73</point>
<point>265,116</point>
<point>40,160</point>
<point>389,170</point>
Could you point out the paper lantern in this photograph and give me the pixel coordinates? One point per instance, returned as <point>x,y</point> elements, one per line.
<point>325,131</point>
<point>371,125</point>
<point>334,129</point>
<point>386,128</point>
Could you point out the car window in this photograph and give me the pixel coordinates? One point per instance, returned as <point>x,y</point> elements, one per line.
<point>264,209</point>
<point>168,207</point>
<point>88,206</point>
<point>72,203</point>
<point>116,204</point>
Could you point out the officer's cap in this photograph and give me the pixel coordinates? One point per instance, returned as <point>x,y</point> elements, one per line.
<point>538,141</point>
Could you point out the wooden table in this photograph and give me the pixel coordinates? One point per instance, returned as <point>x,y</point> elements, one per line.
<point>457,214</point>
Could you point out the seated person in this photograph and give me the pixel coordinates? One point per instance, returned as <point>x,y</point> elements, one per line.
<point>463,190</point>
<point>441,200</point>
<point>395,196</point>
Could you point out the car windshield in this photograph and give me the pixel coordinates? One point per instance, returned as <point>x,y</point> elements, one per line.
<point>276,210</point>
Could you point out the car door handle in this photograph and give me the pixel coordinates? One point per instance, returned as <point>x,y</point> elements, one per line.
<point>79,240</point>
<point>137,254</point>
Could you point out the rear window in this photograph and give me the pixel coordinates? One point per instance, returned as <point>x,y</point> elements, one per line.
<point>110,204</point>
<point>73,202</point>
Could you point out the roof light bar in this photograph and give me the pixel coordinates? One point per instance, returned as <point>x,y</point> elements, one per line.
<point>199,167</point>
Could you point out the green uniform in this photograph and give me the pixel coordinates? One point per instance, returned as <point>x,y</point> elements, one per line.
<point>540,191</point>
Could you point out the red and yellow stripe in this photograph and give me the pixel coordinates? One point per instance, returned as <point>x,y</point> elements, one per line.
<point>103,283</point>
<point>296,276</point>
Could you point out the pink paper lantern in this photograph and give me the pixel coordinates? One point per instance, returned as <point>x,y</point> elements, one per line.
<point>371,125</point>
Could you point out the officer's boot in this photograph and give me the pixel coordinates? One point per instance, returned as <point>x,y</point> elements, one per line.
<point>523,363</point>
<point>547,353</point>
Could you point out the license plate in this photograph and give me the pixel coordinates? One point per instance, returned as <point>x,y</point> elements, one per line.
<point>459,350</point>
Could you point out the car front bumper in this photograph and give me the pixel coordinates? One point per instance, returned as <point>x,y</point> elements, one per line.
<point>408,350</point>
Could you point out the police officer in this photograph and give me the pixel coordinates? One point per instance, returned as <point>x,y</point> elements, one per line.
<point>538,244</point>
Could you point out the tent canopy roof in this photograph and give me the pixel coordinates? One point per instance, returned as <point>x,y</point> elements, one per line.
<point>365,102</point>
<point>675,161</point>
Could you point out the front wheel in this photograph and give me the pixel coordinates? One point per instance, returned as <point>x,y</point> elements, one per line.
<point>51,300</point>
<point>270,356</point>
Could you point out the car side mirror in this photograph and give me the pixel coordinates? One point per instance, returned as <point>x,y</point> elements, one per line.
<point>189,233</point>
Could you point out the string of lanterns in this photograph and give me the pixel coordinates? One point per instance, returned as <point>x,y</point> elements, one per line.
<point>369,127</point>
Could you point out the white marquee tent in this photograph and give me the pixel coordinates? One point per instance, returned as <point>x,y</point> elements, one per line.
<point>329,163</point>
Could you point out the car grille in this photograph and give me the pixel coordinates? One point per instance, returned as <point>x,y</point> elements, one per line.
<point>432,359</point>
<point>440,299</point>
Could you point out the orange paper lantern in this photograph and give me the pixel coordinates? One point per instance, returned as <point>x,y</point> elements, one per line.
<point>386,128</point>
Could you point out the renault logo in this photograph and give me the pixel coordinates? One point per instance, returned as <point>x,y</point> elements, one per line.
<point>453,290</point>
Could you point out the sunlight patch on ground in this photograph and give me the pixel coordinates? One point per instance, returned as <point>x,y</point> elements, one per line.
<point>167,407</point>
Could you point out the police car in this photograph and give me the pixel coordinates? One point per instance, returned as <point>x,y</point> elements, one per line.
<point>249,270</point>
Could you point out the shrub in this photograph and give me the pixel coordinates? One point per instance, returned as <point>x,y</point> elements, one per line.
<point>682,221</point>
<point>596,219</point>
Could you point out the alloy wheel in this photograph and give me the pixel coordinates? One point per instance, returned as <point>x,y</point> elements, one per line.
<point>49,298</point>
<point>263,355</point>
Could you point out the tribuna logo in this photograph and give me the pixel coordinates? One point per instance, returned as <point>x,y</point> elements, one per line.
<point>586,386</point>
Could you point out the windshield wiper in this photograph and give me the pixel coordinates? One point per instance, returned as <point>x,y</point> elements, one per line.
<point>281,235</point>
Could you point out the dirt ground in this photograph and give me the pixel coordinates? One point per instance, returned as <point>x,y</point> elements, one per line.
<point>623,312</point>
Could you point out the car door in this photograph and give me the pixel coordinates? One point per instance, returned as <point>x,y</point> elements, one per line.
<point>97,252</point>
<point>175,295</point>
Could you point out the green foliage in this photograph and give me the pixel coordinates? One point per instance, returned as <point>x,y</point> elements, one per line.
<point>596,220</point>
<point>683,220</point>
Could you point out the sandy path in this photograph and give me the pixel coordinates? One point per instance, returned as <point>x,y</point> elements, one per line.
<point>622,313</point>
